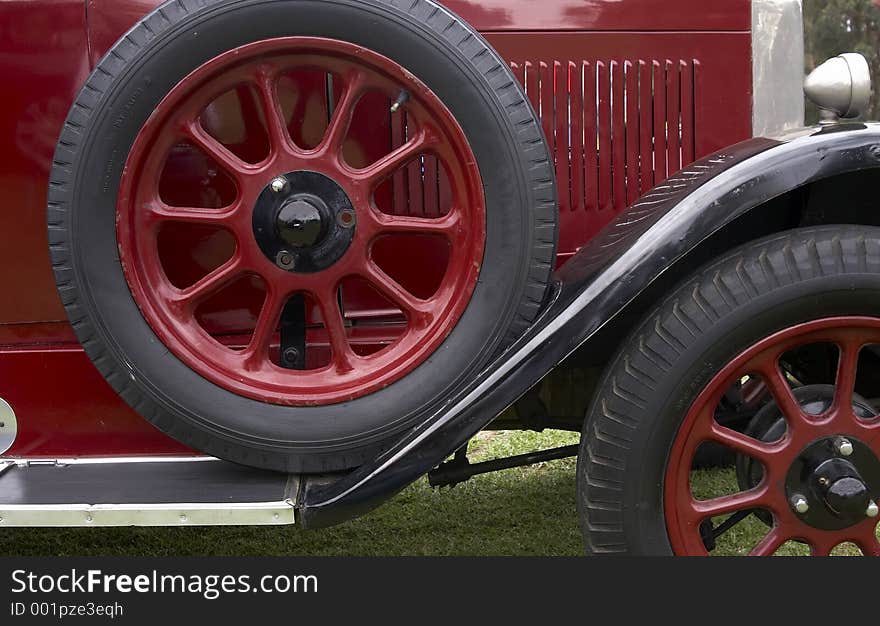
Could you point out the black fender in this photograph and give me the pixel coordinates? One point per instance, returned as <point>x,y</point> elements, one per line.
<point>595,286</point>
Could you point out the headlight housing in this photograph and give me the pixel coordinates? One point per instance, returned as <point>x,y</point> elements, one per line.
<point>841,86</point>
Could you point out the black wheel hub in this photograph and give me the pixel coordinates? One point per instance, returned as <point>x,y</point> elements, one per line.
<point>837,488</point>
<point>829,487</point>
<point>301,221</point>
<point>304,222</point>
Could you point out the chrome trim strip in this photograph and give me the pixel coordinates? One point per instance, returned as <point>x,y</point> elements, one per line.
<point>26,461</point>
<point>8,426</point>
<point>777,66</point>
<point>170,514</point>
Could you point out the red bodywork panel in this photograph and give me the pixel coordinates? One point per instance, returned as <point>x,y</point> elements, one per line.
<point>608,80</point>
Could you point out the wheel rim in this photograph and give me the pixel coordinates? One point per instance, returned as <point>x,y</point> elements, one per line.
<point>295,190</point>
<point>792,464</point>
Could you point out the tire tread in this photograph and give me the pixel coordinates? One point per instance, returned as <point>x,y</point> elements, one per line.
<point>651,355</point>
<point>424,13</point>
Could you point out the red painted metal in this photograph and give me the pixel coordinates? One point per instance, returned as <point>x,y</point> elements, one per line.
<point>109,19</point>
<point>48,47</point>
<point>43,51</point>
<point>633,110</point>
<point>171,310</point>
<point>684,513</point>
<point>65,409</point>
<point>632,182</point>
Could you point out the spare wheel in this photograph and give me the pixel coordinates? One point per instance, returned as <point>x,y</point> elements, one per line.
<point>285,230</point>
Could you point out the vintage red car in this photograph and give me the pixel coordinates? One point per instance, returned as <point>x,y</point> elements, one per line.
<point>273,260</point>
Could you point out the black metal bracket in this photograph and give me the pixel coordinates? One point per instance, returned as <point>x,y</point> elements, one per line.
<point>459,469</point>
<point>293,333</point>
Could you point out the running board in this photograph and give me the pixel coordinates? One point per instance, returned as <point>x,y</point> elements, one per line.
<point>181,491</point>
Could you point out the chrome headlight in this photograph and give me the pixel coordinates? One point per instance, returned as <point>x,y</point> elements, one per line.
<point>841,85</point>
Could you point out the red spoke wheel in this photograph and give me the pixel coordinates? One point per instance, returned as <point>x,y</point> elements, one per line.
<point>763,357</point>
<point>819,479</point>
<point>286,231</point>
<point>312,183</point>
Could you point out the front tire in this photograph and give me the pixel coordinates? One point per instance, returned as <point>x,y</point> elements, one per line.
<point>742,323</point>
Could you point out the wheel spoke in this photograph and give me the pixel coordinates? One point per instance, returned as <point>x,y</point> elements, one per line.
<point>159,213</point>
<point>188,298</point>
<point>343,113</point>
<point>869,547</point>
<point>846,374</point>
<point>216,150</point>
<point>751,499</point>
<point>742,443</point>
<point>773,377</point>
<point>821,548</point>
<point>390,163</point>
<point>447,226</point>
<point>342,355</point>
<point>417,310</point>
<point>771,542</point>
<point>250,110</point>
<point>257,352</point>
<point>267,86</point>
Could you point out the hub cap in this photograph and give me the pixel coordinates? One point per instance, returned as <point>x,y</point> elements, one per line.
<point>838,488</point>
<point>812,474</point>
<point>301,221</point>
<point>305,218</point>
<point>306,227</point>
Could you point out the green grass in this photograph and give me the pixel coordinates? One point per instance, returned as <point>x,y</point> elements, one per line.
<point>521,511</point>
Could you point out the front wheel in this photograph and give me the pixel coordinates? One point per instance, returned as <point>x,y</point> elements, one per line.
<point>772,353</point>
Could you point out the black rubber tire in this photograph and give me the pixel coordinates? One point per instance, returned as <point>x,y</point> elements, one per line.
<point>432,43</point>
<point>670,357</point>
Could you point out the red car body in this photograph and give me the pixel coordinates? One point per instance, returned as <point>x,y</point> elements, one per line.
<point>622,77</point>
